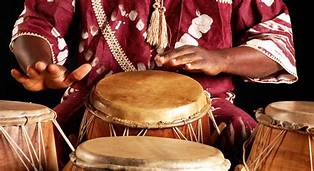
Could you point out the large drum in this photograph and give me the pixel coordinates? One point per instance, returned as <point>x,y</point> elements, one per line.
<point>146,153</point>
<point>151,103</point>
<point>284,137</point>
<point>26,137</point>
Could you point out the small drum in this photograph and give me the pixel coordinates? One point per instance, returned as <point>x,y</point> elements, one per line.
<point>151,103</point>
<point>146,153</point>
<point>26,137</point>
<point>283,138</point>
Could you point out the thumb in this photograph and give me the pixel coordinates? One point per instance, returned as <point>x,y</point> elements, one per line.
<point>79,73</point>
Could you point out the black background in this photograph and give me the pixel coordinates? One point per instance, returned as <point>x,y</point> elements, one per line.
<point>249,96</point>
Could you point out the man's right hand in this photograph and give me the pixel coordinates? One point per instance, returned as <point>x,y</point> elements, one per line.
<point>41,76</point>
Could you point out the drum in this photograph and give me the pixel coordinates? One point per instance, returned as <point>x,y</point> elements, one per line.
<point>146,153</point>
<point>284,137</point>
<point>26,137</point>
<point>151,103</point>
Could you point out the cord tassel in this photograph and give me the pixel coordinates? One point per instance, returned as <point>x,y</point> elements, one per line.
<point>153,29</point>
<point>163,37</point>
<point>157,31</point>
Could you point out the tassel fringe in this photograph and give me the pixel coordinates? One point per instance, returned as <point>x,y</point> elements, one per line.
<point>157,31</point>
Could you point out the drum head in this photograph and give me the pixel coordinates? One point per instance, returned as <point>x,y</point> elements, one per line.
<point>152,97</point>
<point>297,115</point>
<point>21,113</point>
<point>148,153</point>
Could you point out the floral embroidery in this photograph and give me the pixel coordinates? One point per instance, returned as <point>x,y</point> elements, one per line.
<point>200,25</point>
<point>186,39</point>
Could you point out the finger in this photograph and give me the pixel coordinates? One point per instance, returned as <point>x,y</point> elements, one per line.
<point>78,74</point>
<point>56,71</point>
<point>186,48</point>
<point>184,59</point>
<point>166,57</point>
<point>18,76</point>
<point>31,72</point>
<point>40,66</point>
<point>195,65</point>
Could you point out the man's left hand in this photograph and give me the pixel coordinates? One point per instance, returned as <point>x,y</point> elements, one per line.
<point>194,59</point>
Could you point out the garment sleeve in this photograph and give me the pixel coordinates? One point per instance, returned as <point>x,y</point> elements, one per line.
<point>49,20</point>
<point>265,26</point>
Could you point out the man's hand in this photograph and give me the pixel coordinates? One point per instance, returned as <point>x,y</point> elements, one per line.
<point>41,76</point>
<point>194,59</point>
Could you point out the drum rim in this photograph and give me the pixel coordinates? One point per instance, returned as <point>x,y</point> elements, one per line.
<point>131,111</point>
<point>83,165</point>
<point>25,118</point>
<point>267,120</point>
<point>224,164</point>
<point>151,125</point>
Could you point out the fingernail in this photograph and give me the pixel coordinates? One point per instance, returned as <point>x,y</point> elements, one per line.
<point>188,65</point>
<point>159,60</point>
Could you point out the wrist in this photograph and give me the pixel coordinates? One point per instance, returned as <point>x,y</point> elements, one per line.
<point>227,60</point>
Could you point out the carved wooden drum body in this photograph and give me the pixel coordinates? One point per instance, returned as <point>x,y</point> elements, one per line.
<point>146,153</point>
<point>151,103</point>
<point>284,137</point>
<point>26,137</point>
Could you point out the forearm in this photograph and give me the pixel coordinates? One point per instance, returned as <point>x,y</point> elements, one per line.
<point>30,49</point>
<point>248,62</point>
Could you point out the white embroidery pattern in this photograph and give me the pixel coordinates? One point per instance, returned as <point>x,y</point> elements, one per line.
<point>140,25</point>
<point>100,70</point>
<point>88,55</point>
<point>95,62</point>
<point>68,92</point>
<point>81,46</point>
<point>225,1</point>
<point>284,17</point>
<point>132,15</point>
<point>122,11</point>
<point>84,35</point>
<point>118,25</point>
<point>61,43</point>
<point>24,11</point>
<point>145,35</point>
<point>93,30</point>
<point>268,2</point>
<point>15,30</point>
<point>62,56</point>
<point>19,21</point>
<point>200,25</point>
<point>73,5</point>
<point>141,67</point>
<point>186,39</point>
<point>55,32</point>
<point>273,51</point>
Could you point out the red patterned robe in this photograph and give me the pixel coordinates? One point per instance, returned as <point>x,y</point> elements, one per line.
<point>213,24</point>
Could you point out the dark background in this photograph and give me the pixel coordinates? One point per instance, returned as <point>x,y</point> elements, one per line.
<point>249,96</point>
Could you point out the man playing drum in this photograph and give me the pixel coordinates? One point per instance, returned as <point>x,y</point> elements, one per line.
<point>209,40</point>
